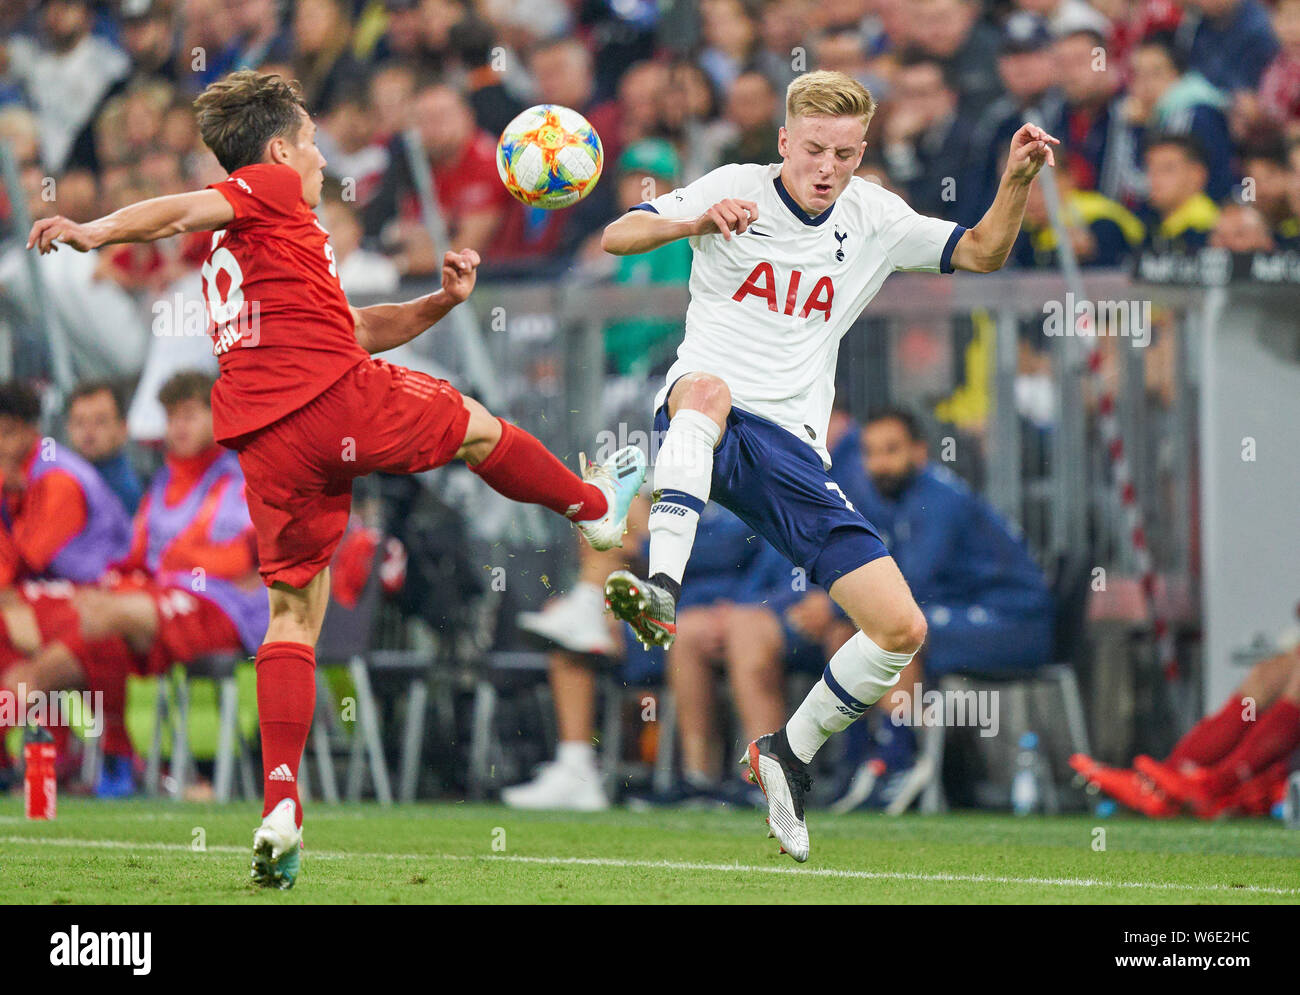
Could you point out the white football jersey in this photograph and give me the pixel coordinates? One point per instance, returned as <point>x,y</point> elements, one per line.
<point>768,308</point>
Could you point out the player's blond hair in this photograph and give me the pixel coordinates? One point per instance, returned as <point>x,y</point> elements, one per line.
<point>825,93</point>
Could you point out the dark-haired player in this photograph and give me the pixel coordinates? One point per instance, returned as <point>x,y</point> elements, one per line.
<point>307,408</point>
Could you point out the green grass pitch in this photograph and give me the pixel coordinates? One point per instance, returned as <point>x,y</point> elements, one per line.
<point>147,851</point>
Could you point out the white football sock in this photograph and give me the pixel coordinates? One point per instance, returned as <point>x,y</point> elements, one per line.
<point>683,475</point>
<point>577,755</point>
<point>857,677</point>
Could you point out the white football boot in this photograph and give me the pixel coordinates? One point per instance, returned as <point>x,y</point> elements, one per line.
<point>559,786</point>
<point>277,848</point>
<point>574,621</point>
<point>785,781</point>
<point>619,477</point>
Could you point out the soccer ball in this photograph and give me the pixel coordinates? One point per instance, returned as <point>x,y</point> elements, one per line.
<point>549,156</point>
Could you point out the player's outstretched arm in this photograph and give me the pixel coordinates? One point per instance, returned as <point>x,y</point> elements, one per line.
<point>146,221</point>
<point>386,326</point>
<point>645,231</point>
<point>985,247</point>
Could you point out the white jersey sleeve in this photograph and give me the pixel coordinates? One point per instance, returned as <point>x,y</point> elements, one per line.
<point>913,241</point>
<point>695,198</point>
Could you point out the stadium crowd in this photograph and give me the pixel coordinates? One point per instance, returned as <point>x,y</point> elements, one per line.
<point>1168,111</point>
<point>1180,124</point>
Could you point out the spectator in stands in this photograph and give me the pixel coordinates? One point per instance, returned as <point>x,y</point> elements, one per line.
<point>1102,232</point>
<point>1264,168</point>
<point>1241,228</point>
<point>57,516</point>
<point>149,44</point>
<point>1091,124</point>
<point>927,142</point>
<point>187,587</point>
<point>730,40</point>
<point>1230,42</point>
<point>96,426</point>
<point>391,90</point>
<point>1028,76</point>
<point>1065,17</point>
<point>471,197</point>
<point>782,25</point>
<point>347,138</point>
<point>842,51</point>
<point>1133,20</point>
<point>322,63</point>
<point>66,73</point>
<point>985,599</point>
<point>1164,98</point>
<point>752,107</point>
<point>1178,215</point>
<point>688,117</point>
<point>952,32</point>
<point>640,94</point>
<point>263,37</point>
<point>1279,87</point>
<point>473,41</point>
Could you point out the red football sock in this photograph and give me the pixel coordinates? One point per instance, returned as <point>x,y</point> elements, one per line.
<point>286,701</point>
<point>107,664</point>
<point>524,470</point>
<point>1210,740</point>
<point>1275,735</point>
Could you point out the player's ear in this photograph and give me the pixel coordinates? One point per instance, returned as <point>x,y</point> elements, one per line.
<point>782,141</point>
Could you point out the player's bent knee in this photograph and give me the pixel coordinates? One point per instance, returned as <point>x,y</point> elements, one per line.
<point>482,433</point>
<point>904,633</point>
<point>702,392</point>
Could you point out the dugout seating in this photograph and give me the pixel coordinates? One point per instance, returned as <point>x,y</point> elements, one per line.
<point>1046,700</point>
<point>504,673</point>
<point>171,720</point>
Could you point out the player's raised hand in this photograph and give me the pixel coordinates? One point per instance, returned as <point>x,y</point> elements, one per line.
<point>459,271</point>
<point>1031,147</point>
<point>727,216</point>
<point>49,233</point>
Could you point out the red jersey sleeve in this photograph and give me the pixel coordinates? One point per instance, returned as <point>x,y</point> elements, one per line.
<point>263,191</point>
<point>54,510</point>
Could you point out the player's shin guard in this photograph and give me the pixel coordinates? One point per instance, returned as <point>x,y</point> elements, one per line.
<point>524,470</point>
<point>286,700</point>
<point>859,675</point>
<point>683,476</point>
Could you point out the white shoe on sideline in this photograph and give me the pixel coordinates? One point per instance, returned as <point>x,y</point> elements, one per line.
<point>574,621</point>
<point>558,786</point>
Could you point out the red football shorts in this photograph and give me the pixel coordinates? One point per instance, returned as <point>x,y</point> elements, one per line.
<point>299,470</point>
<point>189,626</point>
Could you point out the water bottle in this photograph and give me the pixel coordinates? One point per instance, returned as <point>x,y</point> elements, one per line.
<point>1291,805</point>
<point>1026,794</point>
<point>40,786</point>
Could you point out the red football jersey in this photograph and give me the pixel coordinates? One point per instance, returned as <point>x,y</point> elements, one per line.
<point>281,327</point>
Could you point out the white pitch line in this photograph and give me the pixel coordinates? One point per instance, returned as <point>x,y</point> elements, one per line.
<point>674,865</point>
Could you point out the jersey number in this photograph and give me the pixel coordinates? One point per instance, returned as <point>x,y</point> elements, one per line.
<point>832,486</point>
<point>222,260</point>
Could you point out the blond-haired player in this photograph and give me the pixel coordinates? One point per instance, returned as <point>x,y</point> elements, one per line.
<point>786,256</point>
